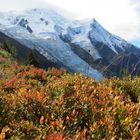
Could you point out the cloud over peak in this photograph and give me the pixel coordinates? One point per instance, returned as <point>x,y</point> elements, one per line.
<point>121,17</point>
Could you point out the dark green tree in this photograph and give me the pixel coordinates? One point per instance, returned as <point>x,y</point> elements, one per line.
<point>32,59</point>
<point>11,50</point>
<point>126,73</point>
<point>6,47</point>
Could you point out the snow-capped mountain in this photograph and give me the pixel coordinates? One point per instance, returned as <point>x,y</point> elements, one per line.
<point>78,46</point>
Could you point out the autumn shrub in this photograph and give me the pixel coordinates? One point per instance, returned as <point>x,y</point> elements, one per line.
<point>55,105</point>
<point>129,86</point>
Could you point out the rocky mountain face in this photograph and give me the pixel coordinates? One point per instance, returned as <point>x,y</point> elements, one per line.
<point>78,46</point>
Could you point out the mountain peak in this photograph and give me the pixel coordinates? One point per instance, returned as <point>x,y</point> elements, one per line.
<point>95,21</point>
<point>62,40</point>
<point>97,25</point>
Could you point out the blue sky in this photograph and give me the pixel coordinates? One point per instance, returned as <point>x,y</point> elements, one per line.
<point>121,17</point>
<point>136,42</point>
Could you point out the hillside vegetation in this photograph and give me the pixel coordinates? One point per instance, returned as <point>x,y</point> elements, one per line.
<point>54,105</point>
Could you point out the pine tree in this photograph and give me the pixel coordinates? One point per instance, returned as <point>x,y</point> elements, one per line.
<point>125,73</point>
<point>10,50</point>
<point>31,59</point>
<point>5,47</point>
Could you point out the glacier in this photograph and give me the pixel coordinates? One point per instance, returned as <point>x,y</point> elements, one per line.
<point>60,39</point>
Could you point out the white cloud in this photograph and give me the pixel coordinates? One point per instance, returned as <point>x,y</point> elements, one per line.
<point>6,5</point>
<point>118,16</point>
<point>121,17</point>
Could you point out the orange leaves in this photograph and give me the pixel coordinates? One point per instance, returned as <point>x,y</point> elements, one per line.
<point>31,76</point>
<point>41,120</point>
<point>3,133</point>
<point>56,136</point>
<point>56,72</point>
<point>24,94</point>
<point>55,105</point>
<point>39,74</point>
<point>13,80</point>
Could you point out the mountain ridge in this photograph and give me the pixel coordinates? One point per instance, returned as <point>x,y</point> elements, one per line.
<point>80,46</point>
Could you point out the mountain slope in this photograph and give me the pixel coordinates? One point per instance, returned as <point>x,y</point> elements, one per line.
<point>78,46</point>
